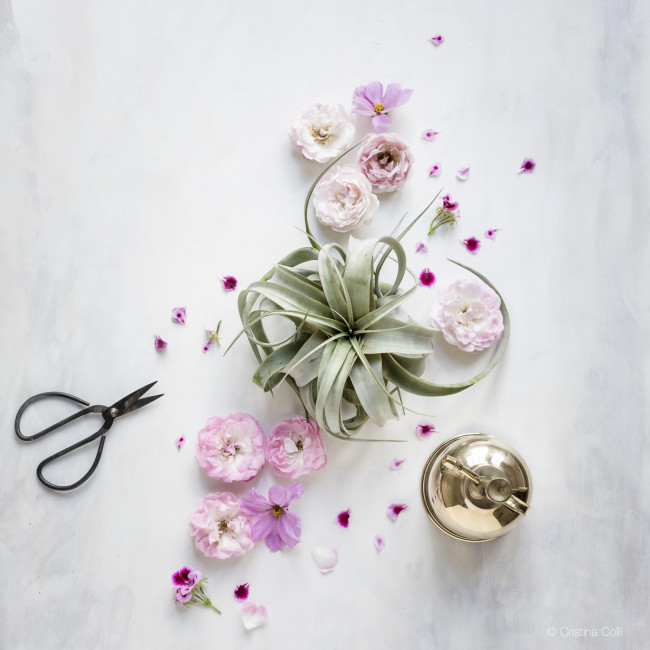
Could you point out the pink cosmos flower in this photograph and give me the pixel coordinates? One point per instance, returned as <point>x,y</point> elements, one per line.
<point>179,314</point>
<point>462,174</point>
<point>435,169</point>
<point>220,527</point>
<point>343,518</point>
<point>231,448</point>
<point>492,233</point>
<point>438,39</point>
<point>271,519</point>
<point>395,508</point>
<point>385,160</point>
<point>472,244</point>
<point>427,278</point>
<point>295,447</point>
<point>469,315</point>
<point>180,442</point>
<point>424,431</point>
<point>241,591</point>
<point>396,463</point>
<point>429,134</point>
<point>380,542</point>
<point>253,615</point>
<point>229,283</point>
<point>527,166</point>
<point>372,100</point>
<point>421,247</point>
<point>159,344</point>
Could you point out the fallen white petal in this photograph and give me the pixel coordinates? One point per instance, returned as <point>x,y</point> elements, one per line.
<point>325,557</point>
<point>253,615</point>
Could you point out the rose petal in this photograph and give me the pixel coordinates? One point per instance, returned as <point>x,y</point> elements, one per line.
<point>179,314</point>
<point>472,244</point>
<point>429,135</point>
<point>435,169</point>
<point>462,174</point>
<point>395,508</point>
<point>427,278</point>
<point>438,39</point>
<point>179,442</point>
<point>229,283</point>
<point>527,166</point>
<point>325,557</point>
<point>424,431</point>
<point>380,542</point>
<point>159,343</point>
<point>396,463</point>
<point>241,591</point>
<point>421,247</point>
<point>343,518</point>
<point>492,233</point>
<point>253,615</point>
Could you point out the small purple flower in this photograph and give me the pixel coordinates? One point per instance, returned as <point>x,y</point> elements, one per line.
<point>241,591</point>
<point>395,508</point>
<point>271,519</point>
<point>396,463</point>
<point>343,518</point>
<point>159,343</point>
<point>372,100</point>
<point>380,542</point>
<point>448,203</point>
<point>427,278</point>
<point>213,338</point>
<point>188,588</point>
<point>462,174</point>
<point>472,244</point>
<point>492,233</point>
<point>180,442</point>
<point>429,134</point>
<point>186,576</point>
<point>421,247</point>
<point>435,169</point>
<point>527,166</point>
<point>438,39</point>
<point>424,431</point>
<point>179,314</point>
<point>229,282</point>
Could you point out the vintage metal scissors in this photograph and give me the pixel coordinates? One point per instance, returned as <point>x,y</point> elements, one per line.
<point>126,405</point>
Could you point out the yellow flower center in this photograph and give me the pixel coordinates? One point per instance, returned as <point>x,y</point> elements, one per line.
<point>379,108</point>
<point>277,510</point>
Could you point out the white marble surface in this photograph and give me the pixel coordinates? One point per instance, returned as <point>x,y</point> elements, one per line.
<point>144,154</point>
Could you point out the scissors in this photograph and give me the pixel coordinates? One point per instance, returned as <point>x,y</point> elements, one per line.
<point>126,405</point>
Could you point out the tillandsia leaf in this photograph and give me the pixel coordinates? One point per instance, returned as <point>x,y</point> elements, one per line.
<point>274,363</point>
<point>371,396</point>
<point>409,339</point>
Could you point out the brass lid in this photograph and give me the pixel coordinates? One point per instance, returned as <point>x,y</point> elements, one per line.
<point>475,487</point>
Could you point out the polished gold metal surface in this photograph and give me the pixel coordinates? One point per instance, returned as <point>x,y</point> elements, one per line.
<point>475,487</point>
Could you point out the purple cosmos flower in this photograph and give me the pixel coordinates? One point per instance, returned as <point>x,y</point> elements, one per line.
<point>271,519</point>
<point>429,134</point>
<point>527,166</point>
<point>435,169</point>
<point>380,542</point>
<point>188,588</point>
<point>462,174</point>
<point>241,591</point>
<point>397,463</point>
<point>395,508</point>
<point>179,314</point>
<point>427,278</point>
<point>179,442</point>
<point>229,282</point>
<point>159,343</point>
<point>343,518</point>
<point>372,100</point>
<point>472,244</point>
<point>421,247</point>
<point>492,233</point>
<point>424,431</point>
<point>438,39</point>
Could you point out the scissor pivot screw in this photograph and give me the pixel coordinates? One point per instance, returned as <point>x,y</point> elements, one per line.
<point>113,412</point>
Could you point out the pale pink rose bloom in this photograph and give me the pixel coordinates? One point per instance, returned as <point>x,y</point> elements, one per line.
<point>295,447</point>
<point>321,132</point>
<point>231,448</point>
<point>385,160</point>
<point>220,527</point>
<point>343,199</point>
<point>469,315</point>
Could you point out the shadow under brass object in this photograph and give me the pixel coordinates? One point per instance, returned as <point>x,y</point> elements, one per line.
<point>475,487</point>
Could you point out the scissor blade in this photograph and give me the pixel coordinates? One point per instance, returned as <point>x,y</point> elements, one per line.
<point>140,403</point>
<point>123,404</point>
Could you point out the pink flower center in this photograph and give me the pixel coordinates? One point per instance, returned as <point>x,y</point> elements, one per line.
<point>379,108</point>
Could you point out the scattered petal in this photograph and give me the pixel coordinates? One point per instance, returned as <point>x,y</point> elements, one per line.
<point>207,346</point>
<point>241,591</point>
<point>179,314</point>
<point>492,233</point>
<point>159,343</point>
<point>427,278</point>
<point>325,557</point>
<point>527,166</point>
<point>421,247</point>
<point>396,463</point>
<point>429,135</point>
<point>395,508</point>
<point>253,615</point>
<point>472,244</point>
<point>343,518</point>
<point>229,283</point>
<point>380,542</point>
<point>435,169</point>
<point>462,174</point>
<point>179,442</point>
<point>438,39</point>
<point>424,431</point>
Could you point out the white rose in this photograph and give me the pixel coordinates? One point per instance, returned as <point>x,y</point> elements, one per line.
<point>321,132</point>
<point>343,199</point>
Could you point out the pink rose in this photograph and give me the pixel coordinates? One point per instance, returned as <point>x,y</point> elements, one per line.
<point>231,448</point>
<point>220,528</point>
<point>295,447</point>
<point>385,160</point>
<point>343,199</point>
<point>469,316</point>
